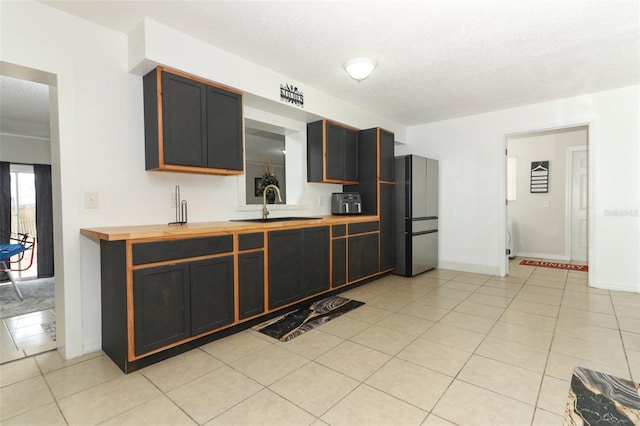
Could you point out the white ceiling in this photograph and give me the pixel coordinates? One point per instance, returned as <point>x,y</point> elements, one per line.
<point>436,59</point>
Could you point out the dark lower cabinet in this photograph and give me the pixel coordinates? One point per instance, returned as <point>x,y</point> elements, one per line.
<point>339,262</point>
<point>251,283</point>
<point>161,299</point>
<point>211,294</point>
<point>363,256</point>
<point>315,260</point>
<point>298,264</point>
<point>387,227</point>
<point>175,302</point>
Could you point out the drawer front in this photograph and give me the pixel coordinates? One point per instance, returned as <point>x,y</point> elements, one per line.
<point>251,241</point>
<point>361,228</point>
<point>159,251</point>
<point>338,230</point>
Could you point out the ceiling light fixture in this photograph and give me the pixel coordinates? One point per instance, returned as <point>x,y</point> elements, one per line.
<point>360,68</point>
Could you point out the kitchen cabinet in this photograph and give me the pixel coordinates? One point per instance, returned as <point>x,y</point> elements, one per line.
<point>191,125</point>
<point>363,256</point>
<point>250,275</point>
<point>339,262</point>
<point>165,290</point>
<point>332,153</point>
<point>387,226</point>
<point>376,187</point>
<point>161,304</point>
<point>174,302</point>
<point>298,264</point>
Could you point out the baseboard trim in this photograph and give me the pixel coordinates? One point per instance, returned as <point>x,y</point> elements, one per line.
<point>545,256</point>
<point>469,267</point>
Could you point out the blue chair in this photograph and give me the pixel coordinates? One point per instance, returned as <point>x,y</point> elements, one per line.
<point>18,245</point>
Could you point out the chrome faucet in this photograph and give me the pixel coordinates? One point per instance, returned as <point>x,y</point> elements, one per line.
<point>265,212</point>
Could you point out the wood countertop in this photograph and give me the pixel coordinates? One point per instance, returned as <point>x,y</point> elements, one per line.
<point>114,233</point>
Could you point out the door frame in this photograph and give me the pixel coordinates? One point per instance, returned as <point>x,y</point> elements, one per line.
<point>568,241</point>
<point>503,263</point>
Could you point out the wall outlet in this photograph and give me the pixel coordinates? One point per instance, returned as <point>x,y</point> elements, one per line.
<point>90,200</point>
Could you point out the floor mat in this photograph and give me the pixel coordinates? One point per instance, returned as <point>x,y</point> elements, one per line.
<point>295,323</point>
<point>555,265</point>
<point>600,399</point>
<point>50,330</point>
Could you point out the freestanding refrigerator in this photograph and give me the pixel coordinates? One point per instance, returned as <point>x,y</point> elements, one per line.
<point>416,215</point>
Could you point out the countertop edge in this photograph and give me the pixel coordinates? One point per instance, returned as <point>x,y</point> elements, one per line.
<point>135,232</point>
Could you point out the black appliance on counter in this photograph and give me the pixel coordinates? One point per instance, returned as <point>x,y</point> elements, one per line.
<point>346,203</point>
<point>416,215</point>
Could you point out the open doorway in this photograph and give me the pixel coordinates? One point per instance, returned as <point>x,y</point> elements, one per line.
<point>28,316</point>
<point>547,195</point>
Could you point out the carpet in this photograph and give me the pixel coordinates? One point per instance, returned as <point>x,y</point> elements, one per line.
<point>39,295</point>
<point>555,265</point>
<point>600,399</point>
<point>295,323</point>
<point>50,330</point>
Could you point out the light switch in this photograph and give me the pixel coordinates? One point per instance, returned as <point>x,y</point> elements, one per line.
<point>547,204</point>
<point>90,200</point>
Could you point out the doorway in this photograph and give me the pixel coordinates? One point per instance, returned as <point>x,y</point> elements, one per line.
<point>28,325</point>
<point>548,221</point>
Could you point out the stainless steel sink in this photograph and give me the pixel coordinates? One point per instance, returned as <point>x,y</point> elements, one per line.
<point>277,219</point>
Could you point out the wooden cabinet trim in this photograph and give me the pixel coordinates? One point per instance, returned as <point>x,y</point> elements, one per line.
<point>199,80</point>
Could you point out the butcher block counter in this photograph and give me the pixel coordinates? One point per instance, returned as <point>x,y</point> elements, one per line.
<point>135,232</point>
<point>166,289</point>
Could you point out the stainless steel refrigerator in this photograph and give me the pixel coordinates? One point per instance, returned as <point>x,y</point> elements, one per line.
<point>416,215</point>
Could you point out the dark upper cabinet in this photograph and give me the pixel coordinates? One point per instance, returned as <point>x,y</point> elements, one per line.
<point>191,125</point>
<point>212,294</point>
<point>298,264</point>
<point>387,159</point>
<point>332,153</point>
<point>162,306</point>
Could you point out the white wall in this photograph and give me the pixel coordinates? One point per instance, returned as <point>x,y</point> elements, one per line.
<point>473,176</point>
<point>24,149</point>
<point>539,219</point>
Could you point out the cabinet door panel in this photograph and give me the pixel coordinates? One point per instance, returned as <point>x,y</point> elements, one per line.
<point>387,159</point>
<point>363,256</point>
<point>387,226</point>
<point>315,260</point>
<point>335,154</point>
<point>350,155</point>
<point>161,306</point>
<point>339,262</point>
<point>224,129</point>
<point>284,267</point>
<point>251,283</point>
<point>212,302</point>
<point>183,103</point>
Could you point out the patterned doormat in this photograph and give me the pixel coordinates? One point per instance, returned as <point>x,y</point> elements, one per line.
<point>600,399</point>
<point>295,323</point>
<point>555,265</point>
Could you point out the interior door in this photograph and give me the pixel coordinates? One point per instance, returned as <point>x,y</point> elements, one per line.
<point>579,203</point>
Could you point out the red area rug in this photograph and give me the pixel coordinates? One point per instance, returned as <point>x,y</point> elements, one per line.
<point>556,265</point>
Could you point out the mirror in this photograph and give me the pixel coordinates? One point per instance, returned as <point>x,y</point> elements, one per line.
<point>264,150</point>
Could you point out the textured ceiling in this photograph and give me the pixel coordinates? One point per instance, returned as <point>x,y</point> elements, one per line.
<point>436,59</point>
<point>24,107</point>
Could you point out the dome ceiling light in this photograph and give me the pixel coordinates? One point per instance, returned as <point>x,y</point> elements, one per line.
<point>360,68</point>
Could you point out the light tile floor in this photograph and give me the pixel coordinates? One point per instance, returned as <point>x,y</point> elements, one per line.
<point>22,336</point>
<point>442,348</point>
